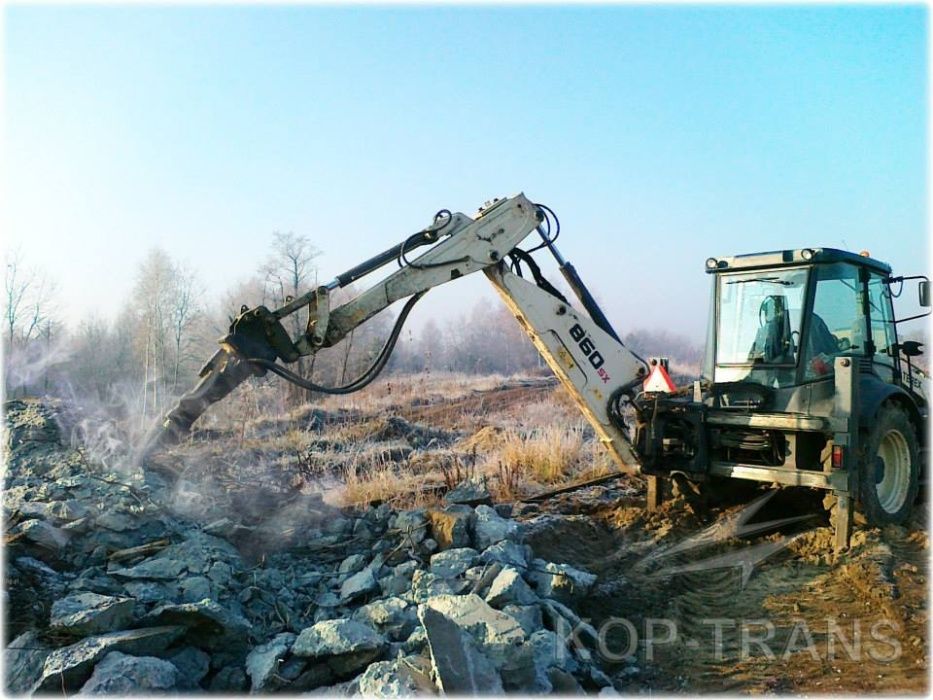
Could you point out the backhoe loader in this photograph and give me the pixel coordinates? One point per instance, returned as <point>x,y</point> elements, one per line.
<point>805,384</point>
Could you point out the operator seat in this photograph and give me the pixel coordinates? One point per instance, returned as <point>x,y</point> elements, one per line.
<point>773,341</point>
<point>821,340</point>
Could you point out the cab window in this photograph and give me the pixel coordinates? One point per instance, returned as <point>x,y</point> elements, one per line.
<point>883,335</point>
<point>837,325</point>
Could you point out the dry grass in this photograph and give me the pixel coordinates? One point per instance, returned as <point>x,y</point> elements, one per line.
<point>546,455</point>
<point>519,442</point>
<point>380,481</point>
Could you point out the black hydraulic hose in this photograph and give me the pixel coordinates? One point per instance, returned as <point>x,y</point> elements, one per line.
<point>363,380</point>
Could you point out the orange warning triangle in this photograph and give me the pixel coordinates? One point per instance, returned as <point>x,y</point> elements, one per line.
<point>659,380</point>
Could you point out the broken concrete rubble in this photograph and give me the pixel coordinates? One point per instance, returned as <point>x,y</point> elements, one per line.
<point>452,526</point>
<point>120,674</point>
<point>417,601</point>
<point>560,581</point>
<point>509,587</point>
<point>459,667</point>
<point>469,493</point>
<point>263,661</point>
<point>90,613</point>
<point>344,645</point>
<point>491,528</point>
<point>451,563</point>
<point>67,668</point>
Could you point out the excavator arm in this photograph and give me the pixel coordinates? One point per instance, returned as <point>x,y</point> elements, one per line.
<point>581,348</point>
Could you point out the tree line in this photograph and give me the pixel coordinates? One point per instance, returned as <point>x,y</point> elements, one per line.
<point>152,350</point>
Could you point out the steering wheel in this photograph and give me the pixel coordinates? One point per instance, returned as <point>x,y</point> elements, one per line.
<point>763,311</point>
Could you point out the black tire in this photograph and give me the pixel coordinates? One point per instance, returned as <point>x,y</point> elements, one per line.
<point>889,471</point>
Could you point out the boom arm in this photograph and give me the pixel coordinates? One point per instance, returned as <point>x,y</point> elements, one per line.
<point>584,352</point>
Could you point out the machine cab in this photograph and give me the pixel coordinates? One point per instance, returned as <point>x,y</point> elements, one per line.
<point>780,319</point>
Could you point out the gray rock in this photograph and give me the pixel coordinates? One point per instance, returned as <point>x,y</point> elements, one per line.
<point>497,635</point>
<point>453,562</point>
<point>425,585</point>
<point>459,666</point>
<point>92,581</point>
<point>413,524</point>
<point>291,668</point>
<point>550,649</point>
<point>358,585</point>
<point>119,674</point>
<point>472,492</point>
<point>192,664</point>
<point>428,545</point>
<point>560,581</point>
<point>58,511</point>
<point>229,679</point>
<point>313,676</point>
<point>263,661</point>
<point>527,509</point>
<point>43,534</point>
<point>528,616</point>
<point>151,591</point>
<point>50,577</point>
<point>510,587</point>
<point>209,624</point>
<point>503,509</point>
<point>406,568</point>
<point>195,588</point>
<point>388,679</point>
<point>563,619</point>
<point>563,683</point>
<point>344,645</point>
<point>393,617</point>
<point>90,613</point>
<point>394,585</point>
<point>69,667</point>
<point>220,573</point>
<point>490,528</point>
<point>23,660</point>
<point>416,641</point>
<point>506,552</point>
<point>118,522</point>
<point>157,569</point>
<point>520,674</point>
<point>353,563</point>
<point>452,526</point>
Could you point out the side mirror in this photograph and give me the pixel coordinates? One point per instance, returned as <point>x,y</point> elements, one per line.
<point>924,289</point>
<point>911,348</point>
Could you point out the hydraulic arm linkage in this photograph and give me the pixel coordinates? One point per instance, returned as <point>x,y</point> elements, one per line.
<point>583,350</point>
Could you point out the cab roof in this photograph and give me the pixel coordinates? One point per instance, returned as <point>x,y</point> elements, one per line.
<point>800,256</point>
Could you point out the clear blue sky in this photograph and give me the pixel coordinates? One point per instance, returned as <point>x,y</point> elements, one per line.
<point>660,135</point>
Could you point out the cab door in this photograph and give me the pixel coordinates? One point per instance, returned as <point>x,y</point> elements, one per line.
<point>883,336</point>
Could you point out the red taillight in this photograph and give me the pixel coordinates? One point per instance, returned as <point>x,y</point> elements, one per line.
<point>838,456</point>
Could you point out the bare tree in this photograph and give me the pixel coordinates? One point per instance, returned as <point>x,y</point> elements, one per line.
<point>184,310</point>
<point>289,272</point>
<point>167,308</point>
<point>28,319</point>
<point>17,284</point>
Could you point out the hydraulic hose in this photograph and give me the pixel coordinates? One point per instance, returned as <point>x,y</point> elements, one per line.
<point>363,380</point>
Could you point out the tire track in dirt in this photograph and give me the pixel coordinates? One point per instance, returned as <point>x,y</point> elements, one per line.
<point>855,625</point>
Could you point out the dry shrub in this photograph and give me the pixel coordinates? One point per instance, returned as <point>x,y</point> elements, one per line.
<point>380,480</point>
<point>547,455</point>
<point>485,439</point>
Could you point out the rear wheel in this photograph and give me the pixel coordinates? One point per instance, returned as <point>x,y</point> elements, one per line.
<point>890,468</point>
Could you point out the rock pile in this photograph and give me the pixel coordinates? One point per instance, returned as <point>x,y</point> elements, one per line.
<point>109,590</point>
